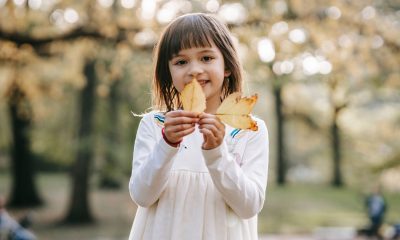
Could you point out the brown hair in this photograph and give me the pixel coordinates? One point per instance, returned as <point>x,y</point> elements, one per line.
<point>187,31</point>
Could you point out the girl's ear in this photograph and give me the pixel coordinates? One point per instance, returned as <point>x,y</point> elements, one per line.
<point>227,73</point>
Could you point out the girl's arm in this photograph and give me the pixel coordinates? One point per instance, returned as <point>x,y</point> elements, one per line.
<point>153,156</point>
<point>243,188</point>
<point>152,162</point>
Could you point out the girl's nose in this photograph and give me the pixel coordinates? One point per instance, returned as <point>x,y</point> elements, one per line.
<point>195,70</point>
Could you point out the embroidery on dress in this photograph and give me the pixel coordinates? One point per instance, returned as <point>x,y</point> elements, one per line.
<point>235,135</point>
<point>159,119</point>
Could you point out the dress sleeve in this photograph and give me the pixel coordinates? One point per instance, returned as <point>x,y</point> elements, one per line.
<point>152,163</point>
<point>243,188</point>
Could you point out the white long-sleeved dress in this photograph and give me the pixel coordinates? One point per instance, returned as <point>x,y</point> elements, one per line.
<point>190,193</point>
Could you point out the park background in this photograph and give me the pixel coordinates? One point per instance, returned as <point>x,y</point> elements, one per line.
<point>72,72</point>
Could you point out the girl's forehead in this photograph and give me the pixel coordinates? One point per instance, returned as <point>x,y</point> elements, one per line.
<point>206,49</point>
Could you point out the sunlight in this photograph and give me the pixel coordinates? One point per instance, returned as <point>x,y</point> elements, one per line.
<point>167,12</point>
<point>266,50</point>
<point>287,67</point>
<point>71,15</point>
<point>310,65</point>
<point>105,3</point>
<point>333,12</point>
<point>57,17</point>
<point>145,38</point>
<point>280,7</point>
<point>325,67</point>
<point>148,9</point>
<point>276,68</point>
<point>284,67</point>
<point>19,3</point>
<point>35,4</point>
<point>165,15</point>
<point>368,13</point>
<point>279,28</point>
<point>212,6</point>
<point>128,3</point>
<point>233,13</point>
<point>297,36</point>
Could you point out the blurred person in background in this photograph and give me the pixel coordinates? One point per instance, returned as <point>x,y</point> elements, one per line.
<point>376,209</point>
<point>10,229</point>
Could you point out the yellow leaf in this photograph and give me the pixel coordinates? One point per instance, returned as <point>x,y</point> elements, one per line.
<point>193,98</point>
<point>235,111</point>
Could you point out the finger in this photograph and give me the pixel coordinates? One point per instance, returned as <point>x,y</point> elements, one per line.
<point>178,135</point>
<point>180,127</point>
<point>208,139</point>
<point>206,115</point>
<point>214,130</point>
<point>211,120</point>
<point>180,120</point>
<point>183,113</point>
<point>185,132</point>
<point>214,122</point>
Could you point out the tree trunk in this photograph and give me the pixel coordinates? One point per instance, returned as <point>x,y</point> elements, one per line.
<point>23,191</point>
<point>281,160</point>
<point>79,208</point>
<point>337,180</point>
<point>108,174</point>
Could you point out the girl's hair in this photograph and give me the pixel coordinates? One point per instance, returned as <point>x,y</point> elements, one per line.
<point>188,31</point>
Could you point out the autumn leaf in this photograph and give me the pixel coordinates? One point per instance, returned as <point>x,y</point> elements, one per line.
<point>235,111</point>
<point>192,97</point>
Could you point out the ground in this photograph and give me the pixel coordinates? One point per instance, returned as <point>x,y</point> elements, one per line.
<point>290,213</point>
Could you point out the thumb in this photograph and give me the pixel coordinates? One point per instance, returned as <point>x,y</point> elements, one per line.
<point>204,141</point>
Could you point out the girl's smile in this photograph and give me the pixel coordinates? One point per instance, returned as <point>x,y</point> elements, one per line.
<point>203,82</point>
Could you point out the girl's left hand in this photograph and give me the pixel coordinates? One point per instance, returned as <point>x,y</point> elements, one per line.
<point>213,130</point>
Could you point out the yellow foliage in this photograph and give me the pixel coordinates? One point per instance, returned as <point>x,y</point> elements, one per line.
<point>234,110</point>
<point>193,98</point>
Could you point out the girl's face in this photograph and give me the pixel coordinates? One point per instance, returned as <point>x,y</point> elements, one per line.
<point>204,64</point>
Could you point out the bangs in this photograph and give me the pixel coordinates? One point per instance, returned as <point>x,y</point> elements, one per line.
<point>187,34</point>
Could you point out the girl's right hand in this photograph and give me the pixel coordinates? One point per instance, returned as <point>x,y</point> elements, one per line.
<point>179,124</point>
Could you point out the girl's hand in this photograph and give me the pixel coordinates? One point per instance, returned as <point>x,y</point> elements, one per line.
<point>178,124</point>
<point>213,130</point>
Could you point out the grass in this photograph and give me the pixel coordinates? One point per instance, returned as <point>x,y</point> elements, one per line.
<point>302,208</point>
<point>291,209</point>
<point>113,210</point>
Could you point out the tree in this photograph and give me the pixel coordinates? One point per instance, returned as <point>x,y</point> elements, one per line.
<point>24,191</point>
<point>79,209</point>
<point>314,44</point>
<point>102,24</point>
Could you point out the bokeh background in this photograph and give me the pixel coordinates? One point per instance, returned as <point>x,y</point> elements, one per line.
<point>72,72</point>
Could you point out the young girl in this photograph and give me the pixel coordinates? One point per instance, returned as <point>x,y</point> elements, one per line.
<point>194,177</point>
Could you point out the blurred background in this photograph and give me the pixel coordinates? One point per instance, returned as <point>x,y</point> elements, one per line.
<point>72,72</point>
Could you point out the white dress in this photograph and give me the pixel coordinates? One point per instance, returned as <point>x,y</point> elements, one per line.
<point>190,193</point>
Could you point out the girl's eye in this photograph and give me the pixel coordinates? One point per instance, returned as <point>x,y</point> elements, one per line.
<point>207,58</point>
<point>180,62</point>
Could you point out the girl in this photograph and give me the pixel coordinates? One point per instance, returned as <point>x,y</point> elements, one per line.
<point>194,177</point>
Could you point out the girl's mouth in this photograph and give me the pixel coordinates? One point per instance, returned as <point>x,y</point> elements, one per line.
<point>203,82</point>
